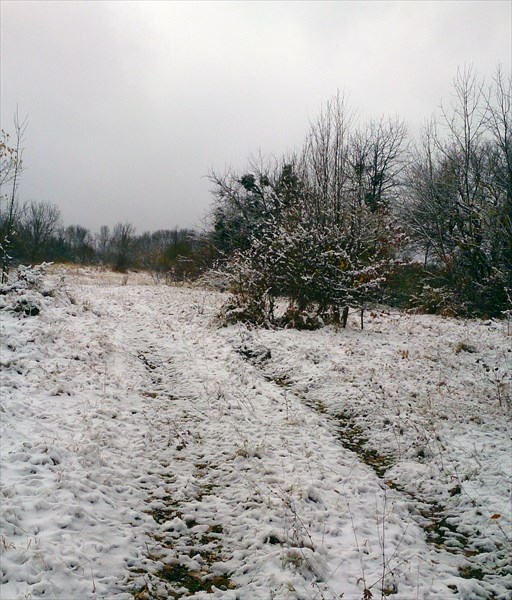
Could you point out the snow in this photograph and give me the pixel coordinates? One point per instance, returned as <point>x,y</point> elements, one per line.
<point>148,452</point>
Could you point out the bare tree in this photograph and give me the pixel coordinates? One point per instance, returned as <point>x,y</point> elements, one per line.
<point>102,242</point>
<point>459,188</point>
<point>379,154</point>
<point>11,167</point>
<point>123,246</point>
<point>80,243</point>
<point>325,158</point>
<point>499,176</point>
<point>432,187</point>
<point>40,222</point>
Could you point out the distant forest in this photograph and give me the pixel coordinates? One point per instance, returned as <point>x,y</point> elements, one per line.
<point>361,214</point>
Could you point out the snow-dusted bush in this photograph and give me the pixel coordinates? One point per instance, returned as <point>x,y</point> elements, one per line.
<point>316,229</point>
<point>436,300</point>
<point>26,290</point>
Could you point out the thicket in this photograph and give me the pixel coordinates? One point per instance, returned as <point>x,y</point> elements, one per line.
<point>362,214</point>
<point>38,236</point>
<point>459,198</point>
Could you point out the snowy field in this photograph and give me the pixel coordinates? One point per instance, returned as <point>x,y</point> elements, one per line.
<point>148,453</point>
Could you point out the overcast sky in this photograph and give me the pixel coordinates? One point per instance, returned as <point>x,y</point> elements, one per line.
<point>131,104</point>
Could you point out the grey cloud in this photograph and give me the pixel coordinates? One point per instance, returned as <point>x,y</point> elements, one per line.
<point>131,103</point>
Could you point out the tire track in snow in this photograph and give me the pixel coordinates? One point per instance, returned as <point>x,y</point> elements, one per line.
<point>247,464</point>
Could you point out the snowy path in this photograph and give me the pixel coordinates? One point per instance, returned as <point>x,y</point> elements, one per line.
<point>147,453</point>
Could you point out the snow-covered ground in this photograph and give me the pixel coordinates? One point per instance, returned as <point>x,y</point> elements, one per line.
<point>148,453</point>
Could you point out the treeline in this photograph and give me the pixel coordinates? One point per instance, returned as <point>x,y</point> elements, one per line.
<point>37,235</point>
<point>360,214</point>
<point>33,232</point>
